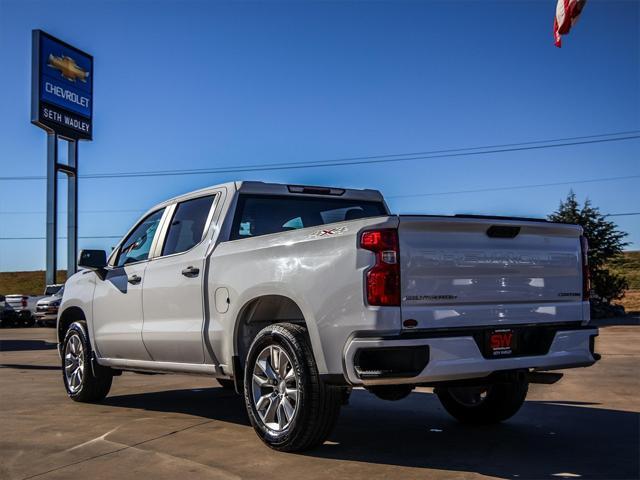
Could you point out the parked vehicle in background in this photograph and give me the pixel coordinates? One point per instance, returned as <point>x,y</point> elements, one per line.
<point>19,310</point>
<point>53,289</point>
<point>47,307</point>
<point>295,294</point>
<point>2,309</point>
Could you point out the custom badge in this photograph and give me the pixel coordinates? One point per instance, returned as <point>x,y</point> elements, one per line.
<point>326,232</point>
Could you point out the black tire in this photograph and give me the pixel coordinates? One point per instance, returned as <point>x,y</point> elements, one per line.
<point>226,383</point>
<point>29,321</point>
<point>95,383</point>
<point>317,404</point>
<point>500,402</point>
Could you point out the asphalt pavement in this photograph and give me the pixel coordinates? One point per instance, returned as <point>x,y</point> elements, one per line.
<point>178,426</point>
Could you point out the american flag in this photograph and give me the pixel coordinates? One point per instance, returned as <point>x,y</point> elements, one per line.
<point>567,13</point>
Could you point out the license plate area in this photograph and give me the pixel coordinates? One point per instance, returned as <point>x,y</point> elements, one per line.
<point>501,342</point>
<point>509,342</point>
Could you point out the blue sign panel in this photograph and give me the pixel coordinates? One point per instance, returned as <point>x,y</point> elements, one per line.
<point>62,87</point>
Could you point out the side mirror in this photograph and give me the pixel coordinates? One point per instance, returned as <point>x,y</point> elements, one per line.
<point>92,259</point>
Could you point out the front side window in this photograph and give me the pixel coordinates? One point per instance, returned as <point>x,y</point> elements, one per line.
<point>187,225</point>
<point>260,214</point>
<point>137,245</point>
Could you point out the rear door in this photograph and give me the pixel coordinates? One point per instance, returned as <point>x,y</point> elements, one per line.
<point>477,271</point>
<point>173,289</point>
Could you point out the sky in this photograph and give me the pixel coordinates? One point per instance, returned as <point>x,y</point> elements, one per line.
<point>188,85</point>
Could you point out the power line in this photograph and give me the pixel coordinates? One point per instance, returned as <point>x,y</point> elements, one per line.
<point>515,187</point>
<point>409,195</point>
<point>402,157</point>
<point>60,238</point>
<point>42,212</point>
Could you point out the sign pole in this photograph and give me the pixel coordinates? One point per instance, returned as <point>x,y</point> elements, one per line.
<point>72,208</point>
<point>52,207</point>
<point>61,104</point>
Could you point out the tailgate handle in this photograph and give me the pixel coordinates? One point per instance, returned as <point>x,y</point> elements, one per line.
<point>503,231</point>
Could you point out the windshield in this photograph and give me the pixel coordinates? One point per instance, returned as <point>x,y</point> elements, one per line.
<point>53,289</point>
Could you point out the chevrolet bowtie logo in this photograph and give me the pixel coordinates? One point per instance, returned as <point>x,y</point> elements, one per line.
<point>68,67</point>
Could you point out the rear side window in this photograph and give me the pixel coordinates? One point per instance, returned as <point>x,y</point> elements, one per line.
<point>187,225</point>
<point>260,215</point>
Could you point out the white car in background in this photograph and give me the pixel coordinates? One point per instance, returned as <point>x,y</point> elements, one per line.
<point>47,308</point>
<point>295,294</point>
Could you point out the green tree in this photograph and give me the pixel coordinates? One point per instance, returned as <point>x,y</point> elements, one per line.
<point>605,243</point>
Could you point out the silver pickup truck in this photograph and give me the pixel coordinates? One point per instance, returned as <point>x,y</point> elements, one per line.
<point>293,295</point>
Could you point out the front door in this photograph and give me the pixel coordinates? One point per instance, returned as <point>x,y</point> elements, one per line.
<point>173,286</point>
<point>117,300</point>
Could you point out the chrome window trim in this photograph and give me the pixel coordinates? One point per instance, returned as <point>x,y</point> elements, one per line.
<point>157,247</point>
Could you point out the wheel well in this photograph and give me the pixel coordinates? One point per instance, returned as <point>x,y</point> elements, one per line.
<point>260,312</point>
<point>70,315</point>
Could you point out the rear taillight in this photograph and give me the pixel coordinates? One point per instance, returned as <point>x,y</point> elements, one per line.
<point>586,276</point>
<point>383,279</point>
<point>24,302</point>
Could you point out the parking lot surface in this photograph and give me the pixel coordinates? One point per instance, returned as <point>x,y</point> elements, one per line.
<point>169,426</point>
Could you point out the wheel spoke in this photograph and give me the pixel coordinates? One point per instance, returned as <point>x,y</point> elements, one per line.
<point>274,361</point>
<point>266,368</point>
<point>260,381</point>
<point>290,375</point>
<point>282,366</point>
<point>263,402</point>
<point>270,414</point>
<point>281,417</point>
<point>292,394</point>
<point>287,408</point>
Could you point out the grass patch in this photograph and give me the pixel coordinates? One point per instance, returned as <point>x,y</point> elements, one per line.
<point>26,283</point>
<point>628,265</point>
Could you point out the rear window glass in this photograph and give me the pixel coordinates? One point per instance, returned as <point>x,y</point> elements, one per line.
<point>261,215</point>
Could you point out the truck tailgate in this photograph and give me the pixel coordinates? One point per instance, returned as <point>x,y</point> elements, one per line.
<point>465,272</point>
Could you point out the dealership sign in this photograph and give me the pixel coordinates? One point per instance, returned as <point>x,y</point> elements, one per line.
<point>61,87</point>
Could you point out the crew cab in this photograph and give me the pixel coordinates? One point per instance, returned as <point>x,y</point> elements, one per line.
<point>293,295</point>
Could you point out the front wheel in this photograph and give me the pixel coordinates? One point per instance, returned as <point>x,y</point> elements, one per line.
<point>483,404</point>
<point>290,407</point>
<point>82,383</point>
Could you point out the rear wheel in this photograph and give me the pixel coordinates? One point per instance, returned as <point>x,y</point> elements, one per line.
<point>483,404</point>
<point>82,382</point>
<point>289,406</point>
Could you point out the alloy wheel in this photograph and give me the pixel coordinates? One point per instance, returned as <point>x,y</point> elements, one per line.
<point>275,388</point>
<point>74,363</point>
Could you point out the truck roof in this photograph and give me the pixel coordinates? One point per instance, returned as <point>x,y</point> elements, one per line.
<point>263,188</point>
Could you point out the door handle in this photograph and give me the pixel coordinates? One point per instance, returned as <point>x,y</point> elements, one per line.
<point>191,272</point>
<point>134,279</point>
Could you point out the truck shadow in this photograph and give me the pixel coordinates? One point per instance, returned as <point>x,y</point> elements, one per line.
<point>544,440</point>
<point>21,345</point>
